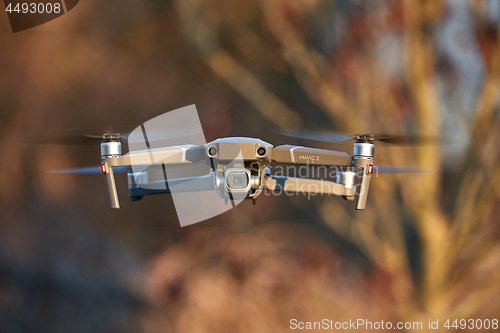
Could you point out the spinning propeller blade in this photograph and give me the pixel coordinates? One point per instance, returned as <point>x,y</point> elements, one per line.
<point>392,169</point>
<point>78,136</point>
<point>93,136</point>
<point>318,136</point>
<point>93,170</point>
<point>391,139</point>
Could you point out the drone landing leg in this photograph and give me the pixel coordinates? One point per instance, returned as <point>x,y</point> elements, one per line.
<point>109,176</point>
<point>363,190</point>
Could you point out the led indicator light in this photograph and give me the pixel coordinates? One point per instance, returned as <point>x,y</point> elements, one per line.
<point>369,170</point>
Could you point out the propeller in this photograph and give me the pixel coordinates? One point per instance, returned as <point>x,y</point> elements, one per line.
<point>92,170</point>
<point>80,136</point>
<point>393,169</point>
<point>93,136</point>
<point>387,138</point>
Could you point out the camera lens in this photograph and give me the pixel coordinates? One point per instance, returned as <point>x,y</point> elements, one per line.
<point>261,151</point>
<point>237,179</point>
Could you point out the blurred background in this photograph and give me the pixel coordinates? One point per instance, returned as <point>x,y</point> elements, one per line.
<point>426,247</point>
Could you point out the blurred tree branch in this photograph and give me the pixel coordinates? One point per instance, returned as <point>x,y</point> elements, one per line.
<point>365,101</point>
<point>226,67</point>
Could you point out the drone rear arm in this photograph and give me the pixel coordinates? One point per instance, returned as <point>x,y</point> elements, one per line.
<point>306,186</point>
<point>178,185</point>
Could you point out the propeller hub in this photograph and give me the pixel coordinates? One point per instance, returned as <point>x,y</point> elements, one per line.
<point>111,136</point>
<point>364,137</point>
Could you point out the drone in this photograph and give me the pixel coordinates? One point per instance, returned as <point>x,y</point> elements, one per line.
<point>239,167</point>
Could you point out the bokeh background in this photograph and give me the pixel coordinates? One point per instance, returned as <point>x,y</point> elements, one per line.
<point>426,247</point>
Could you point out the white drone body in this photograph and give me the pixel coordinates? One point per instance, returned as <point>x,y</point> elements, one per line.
<point>239,168</point>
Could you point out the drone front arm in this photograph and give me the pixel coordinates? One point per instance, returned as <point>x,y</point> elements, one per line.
<point>306,186</point>
<point>109,177</point>
<point>303,155</point>
<point>140,159</point>
<point>165,155</point>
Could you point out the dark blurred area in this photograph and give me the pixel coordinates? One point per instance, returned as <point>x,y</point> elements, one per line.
<point>426,247</point>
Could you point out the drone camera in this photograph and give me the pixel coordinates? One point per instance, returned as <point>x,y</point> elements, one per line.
<point>237,180</point>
